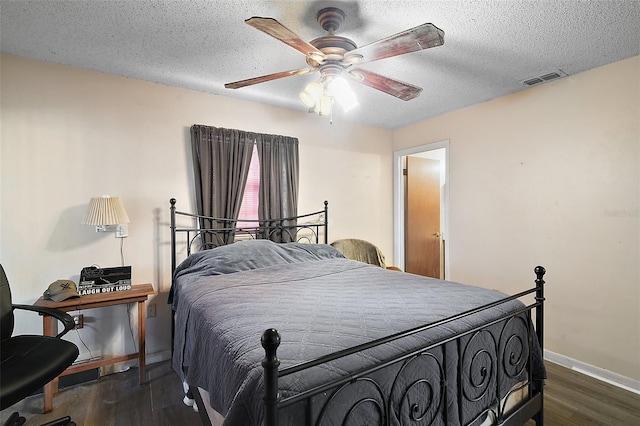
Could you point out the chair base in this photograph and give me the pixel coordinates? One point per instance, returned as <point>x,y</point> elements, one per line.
<point>16,419</point>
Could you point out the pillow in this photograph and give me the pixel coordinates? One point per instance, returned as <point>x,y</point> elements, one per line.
<point>252,254</point>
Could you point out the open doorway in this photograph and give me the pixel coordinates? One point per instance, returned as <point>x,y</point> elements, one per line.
<point>421,209</point>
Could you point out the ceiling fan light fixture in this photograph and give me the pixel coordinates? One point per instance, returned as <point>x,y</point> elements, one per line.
<point>316,98</point>
<point>307,99</point>
<point>311,94</point>
<point>340,90</point>
<point>324,105</point>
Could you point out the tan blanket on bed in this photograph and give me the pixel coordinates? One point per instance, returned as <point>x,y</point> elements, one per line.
<point>360,250</point>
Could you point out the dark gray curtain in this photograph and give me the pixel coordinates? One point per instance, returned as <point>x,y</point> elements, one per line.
<point>221,159</point>
<point>278,193</point>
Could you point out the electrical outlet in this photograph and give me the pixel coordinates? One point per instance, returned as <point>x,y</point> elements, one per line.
<point>79,320</point>
<point>151,311</point>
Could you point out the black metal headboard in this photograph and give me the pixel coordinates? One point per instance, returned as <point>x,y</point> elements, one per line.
<point>301,228</point>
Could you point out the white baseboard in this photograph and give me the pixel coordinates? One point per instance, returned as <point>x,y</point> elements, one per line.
<point>627,383</point>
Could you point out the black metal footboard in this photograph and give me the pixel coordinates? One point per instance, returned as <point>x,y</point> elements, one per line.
<point>497,364</point>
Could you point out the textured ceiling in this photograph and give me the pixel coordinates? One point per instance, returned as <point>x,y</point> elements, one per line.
<point>490,46</point>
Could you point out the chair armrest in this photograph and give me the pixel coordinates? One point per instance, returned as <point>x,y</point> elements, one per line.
<point>63,317</point>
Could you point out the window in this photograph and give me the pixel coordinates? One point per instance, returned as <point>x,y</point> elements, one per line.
<point>249,206</point>
<point>228,147</point>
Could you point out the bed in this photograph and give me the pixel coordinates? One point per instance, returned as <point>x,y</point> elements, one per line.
<point>295,334</point>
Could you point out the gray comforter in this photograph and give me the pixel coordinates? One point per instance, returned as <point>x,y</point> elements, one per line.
<point>320,303</point>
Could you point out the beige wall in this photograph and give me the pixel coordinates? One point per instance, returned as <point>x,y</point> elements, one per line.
<point>551,176</point>
<point>69,134</point>
<point>547,176</point>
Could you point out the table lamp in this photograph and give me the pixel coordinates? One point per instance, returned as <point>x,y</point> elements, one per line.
<point>108,215</point>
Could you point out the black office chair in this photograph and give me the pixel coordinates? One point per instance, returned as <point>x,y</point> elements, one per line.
<point>30,361</point>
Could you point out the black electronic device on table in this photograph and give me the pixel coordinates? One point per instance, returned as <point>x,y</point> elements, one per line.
<point>94,279</point>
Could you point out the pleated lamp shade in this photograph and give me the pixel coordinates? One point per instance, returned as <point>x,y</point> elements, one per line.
<point>105,210</point>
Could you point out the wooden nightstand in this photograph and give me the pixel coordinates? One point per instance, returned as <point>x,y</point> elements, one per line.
<point>138,293</point>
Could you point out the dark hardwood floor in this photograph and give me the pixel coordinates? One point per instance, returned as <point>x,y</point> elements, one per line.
<point>571,399</point>
<point>116,400</point>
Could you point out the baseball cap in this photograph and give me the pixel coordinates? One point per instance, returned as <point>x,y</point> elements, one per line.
<point>60,290</point>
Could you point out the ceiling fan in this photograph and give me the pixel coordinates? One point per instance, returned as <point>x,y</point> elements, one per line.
<point>333,55</point>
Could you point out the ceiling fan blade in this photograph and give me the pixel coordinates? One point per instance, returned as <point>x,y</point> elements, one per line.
<point>399,89</point>
<point>412,40</point>
<point>277,30</point>
<point>264,78</point>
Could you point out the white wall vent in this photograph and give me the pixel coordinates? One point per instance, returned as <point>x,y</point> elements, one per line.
<point>544,78</point>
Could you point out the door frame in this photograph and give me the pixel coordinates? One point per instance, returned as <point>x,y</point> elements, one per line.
<point>398,202</point>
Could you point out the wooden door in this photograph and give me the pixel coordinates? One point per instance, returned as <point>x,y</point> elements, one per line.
<point>422,217</point>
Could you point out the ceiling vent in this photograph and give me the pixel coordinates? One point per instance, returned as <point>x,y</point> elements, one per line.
<point>544,78</point>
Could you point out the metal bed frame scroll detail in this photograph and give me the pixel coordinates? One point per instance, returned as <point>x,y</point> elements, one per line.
<point>510,353</point>
<point>222,228</point>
